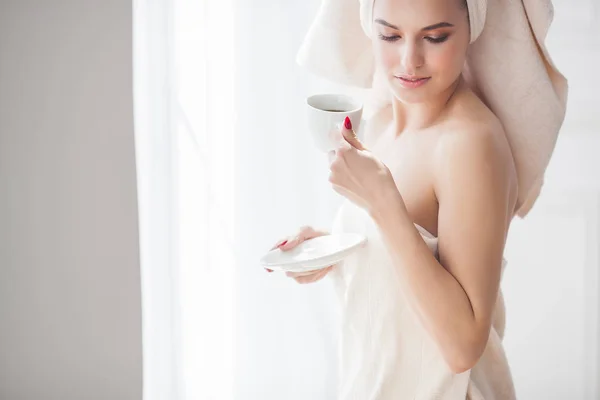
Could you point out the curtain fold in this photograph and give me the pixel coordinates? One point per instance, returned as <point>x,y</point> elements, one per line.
<point>183,95</point>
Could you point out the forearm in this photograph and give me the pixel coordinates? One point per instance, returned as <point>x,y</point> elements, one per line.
<point>437,298</point>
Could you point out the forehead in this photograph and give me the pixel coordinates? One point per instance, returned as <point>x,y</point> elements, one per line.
<point>418,13</point>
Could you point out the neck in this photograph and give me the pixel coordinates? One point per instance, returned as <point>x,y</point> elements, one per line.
<point>418,116</point>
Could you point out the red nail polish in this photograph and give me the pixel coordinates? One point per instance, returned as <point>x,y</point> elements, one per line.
<point>283,243</point>
<point>348,123</point>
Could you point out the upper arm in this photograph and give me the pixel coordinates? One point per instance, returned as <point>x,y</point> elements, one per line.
<point>473,184</point>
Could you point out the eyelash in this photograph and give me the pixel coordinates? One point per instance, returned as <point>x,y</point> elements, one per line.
<point>441,39</point>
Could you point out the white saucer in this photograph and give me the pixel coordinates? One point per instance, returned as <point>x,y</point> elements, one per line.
<point>314,254</point>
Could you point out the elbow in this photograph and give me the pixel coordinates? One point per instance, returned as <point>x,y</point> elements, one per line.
<point>465,357</point>
<point>462,365</point>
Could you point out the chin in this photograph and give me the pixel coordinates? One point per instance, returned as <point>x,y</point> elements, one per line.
<point>431,90</point>
<point>410,96</point>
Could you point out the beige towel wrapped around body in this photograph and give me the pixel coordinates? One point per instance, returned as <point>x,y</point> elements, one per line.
<point>510,70</point>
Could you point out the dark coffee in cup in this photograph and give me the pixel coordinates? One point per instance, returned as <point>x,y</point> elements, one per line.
<point>326,114</point>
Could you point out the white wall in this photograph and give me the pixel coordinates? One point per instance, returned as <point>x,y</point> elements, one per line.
<point>70,320</point>
<point>552,281</point>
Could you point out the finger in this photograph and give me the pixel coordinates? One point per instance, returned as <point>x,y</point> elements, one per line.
<point>308,273</point>
<point>305,233</point>
<point>313,277</point>
<point>305,279</point>
<point>279,244</point>
<point>290,244</point>
<point>331,156</point>
<point>325,271</point>
<point>300,274</point>
<point>350,136</point>
<point>339,152</point>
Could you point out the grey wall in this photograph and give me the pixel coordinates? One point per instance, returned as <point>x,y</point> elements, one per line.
<point>70,314</point>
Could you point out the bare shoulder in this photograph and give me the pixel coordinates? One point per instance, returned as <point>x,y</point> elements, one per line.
<point>471,128</point>
<point>474,143</point>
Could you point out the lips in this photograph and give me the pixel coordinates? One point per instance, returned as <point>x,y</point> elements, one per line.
<point>412,82</point>
<point>411,78</point>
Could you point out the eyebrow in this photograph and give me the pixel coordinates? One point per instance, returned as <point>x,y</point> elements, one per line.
<point>427,28</point>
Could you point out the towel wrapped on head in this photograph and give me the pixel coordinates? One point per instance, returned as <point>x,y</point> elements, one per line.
<point>477,10</point>
<point>507,66</point>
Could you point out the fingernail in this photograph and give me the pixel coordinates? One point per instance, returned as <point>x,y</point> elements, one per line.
<point>283,243</point>
<point>348,123</point>
<point>268,270</point>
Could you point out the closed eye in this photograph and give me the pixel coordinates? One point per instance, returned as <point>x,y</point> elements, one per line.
<point>392,38</point>
<point>430,39</point>
<point>440,39</point>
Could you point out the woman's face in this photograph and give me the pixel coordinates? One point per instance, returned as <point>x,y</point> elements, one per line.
<point>420,45</point>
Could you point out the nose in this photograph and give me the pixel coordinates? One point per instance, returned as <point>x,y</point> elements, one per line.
<point>412,58</point>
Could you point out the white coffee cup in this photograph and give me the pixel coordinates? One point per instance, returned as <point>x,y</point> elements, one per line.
<point>326,115</point>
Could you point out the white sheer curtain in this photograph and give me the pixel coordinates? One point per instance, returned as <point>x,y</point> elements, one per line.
<point>184,139</point>
<point>225,168</point>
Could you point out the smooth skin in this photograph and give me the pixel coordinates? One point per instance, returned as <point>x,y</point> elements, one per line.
<point>443,163</point>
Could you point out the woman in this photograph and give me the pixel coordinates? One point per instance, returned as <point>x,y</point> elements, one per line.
<point>434,187</point>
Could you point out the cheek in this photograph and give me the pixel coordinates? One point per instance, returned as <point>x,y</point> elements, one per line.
<point>386,56</point>
<point>447,61</point>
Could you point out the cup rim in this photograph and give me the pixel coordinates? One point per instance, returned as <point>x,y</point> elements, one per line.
<point>350,98</point>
